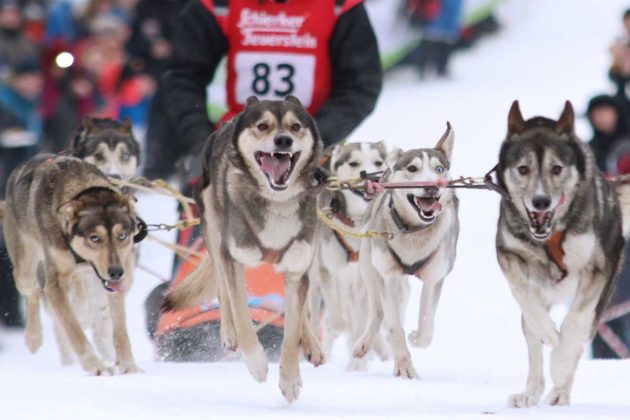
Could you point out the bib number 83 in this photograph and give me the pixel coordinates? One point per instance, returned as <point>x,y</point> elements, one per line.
<point>262,86</point>
<point>273,76</point>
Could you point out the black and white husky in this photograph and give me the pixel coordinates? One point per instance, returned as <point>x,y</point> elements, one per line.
<point>559,240</point>
<point>425,227</point>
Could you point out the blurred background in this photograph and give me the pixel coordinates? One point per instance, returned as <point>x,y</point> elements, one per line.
<point>464,61</point>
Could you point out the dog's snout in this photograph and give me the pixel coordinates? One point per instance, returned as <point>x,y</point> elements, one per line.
<point>432,191</point>
<point>541,202</point>
<point>283,142</point>
<point>115,272</point>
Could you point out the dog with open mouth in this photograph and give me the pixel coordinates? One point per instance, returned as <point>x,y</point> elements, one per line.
<point>64,221</point>
<point>559,240</point>
<point>424,227</point>
<point>257,206</point>
<point>109,145</point>
<point>335,270</point>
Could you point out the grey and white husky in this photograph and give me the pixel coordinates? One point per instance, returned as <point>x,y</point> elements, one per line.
<point>109,145</point>
<point>256,207</point>
<point>559,240</point>
<point>425,227</point>
<point>335,271</point>
<point>68,228</point>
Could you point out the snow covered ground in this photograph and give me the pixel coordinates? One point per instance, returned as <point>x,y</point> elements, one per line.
<point>546,53</point>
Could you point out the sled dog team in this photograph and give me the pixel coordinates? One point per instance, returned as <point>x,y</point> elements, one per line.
<point>560,238</point>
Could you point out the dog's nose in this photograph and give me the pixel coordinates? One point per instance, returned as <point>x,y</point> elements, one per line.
<point>541,202</point>
<point>115,272</point>
<point>283,142</point>
<point>432,191</point>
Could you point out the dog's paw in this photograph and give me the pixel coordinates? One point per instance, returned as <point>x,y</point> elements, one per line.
<point>546,332</point>
<point>522,400</point>
<point>550,337</point>
<point>128,367</point>
<point>228,338</point>
<point>290,388</point>
<point>357,365</point>
<point>312,351</point>
<point>257,364</point>
<point>360,349</point>
<point>419,339</point>
<point>403,368</point>
<point>558,397</point>
<point>33,340</point>
<point>99,369</point>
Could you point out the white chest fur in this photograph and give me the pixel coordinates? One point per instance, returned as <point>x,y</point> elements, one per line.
<point>282,224</point>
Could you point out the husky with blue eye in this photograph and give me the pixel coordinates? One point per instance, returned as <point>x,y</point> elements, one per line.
<point>424,228</point>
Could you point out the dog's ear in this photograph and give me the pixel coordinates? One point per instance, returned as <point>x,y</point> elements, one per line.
<point>566,123</point>
<point>516,123</point>
<point>393,157</point>
<point>89,124</point>
<point>126,124</point>
<point>381,147</point>
<point>251,100</point>
<point>70,212</point>
<point>293,99</point>
<point>445,145</point>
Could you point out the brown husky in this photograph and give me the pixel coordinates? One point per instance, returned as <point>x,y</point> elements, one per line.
<point>62,217</point>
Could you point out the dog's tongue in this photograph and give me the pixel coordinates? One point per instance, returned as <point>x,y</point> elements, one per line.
<point>276,165</point>
<point>429,203</point>
<point>116,286</point>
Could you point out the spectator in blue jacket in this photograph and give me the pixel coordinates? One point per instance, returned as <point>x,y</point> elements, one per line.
<point>438,39</point>
<point>20,137</point>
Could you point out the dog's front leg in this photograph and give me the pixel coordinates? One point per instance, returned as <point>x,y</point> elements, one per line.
<point>536,377</point>
<point>310,344</point>
<point>295,289</point>
<point>396,292</point>
<point>374,286</point>
<point>429,299</point>
<point>577,329</point>
<point>60,307</point>
<point>252,351</point>
<point>324,282</point>
<point>535,314</point>
<point>122,346</point>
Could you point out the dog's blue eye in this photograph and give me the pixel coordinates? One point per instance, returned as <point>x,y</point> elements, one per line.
<point>412,168</point>
<point>122,236</point>
<point>125,157</point>
<point>353,164</point>
<point>439,169</point>
<point>99,157</point>
<point>95,238</point>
